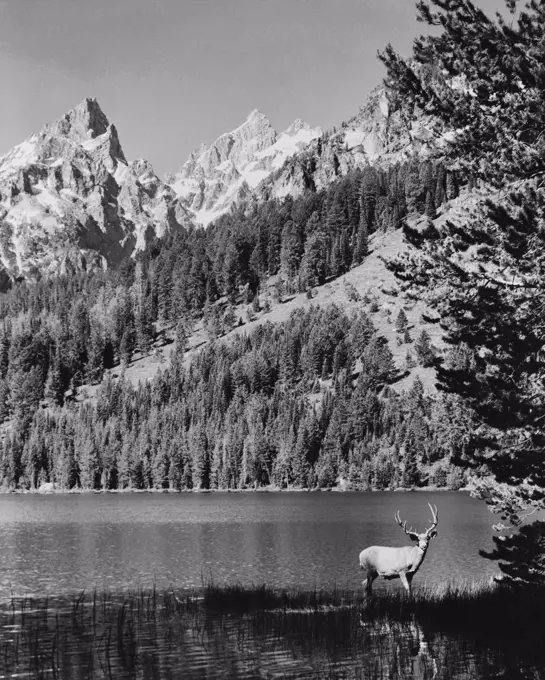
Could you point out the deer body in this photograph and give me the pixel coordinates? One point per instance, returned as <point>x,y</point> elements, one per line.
<point>390,562</point>
<point>402,563</point>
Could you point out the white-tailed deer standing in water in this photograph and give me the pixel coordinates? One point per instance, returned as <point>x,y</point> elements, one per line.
<point>400,563</point>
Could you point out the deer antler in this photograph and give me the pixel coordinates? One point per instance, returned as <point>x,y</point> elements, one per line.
<point>403,525</point>
<point>434,518</point>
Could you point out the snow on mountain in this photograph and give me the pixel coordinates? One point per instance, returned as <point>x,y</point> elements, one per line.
<point>69,199</point>
<point>215,178</point>
<point>375,136</point>
<point>254,162</point>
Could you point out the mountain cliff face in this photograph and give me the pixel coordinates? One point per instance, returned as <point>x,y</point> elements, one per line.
<point>214,179</point>
<point>70,200</point>
<point>254,161</point>
<point>375,136</point>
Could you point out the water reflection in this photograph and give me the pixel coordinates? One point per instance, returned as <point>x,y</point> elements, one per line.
<point>423,664</point>
<point>153,634</point>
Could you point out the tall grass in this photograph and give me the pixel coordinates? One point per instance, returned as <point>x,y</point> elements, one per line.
<point>450,631</point>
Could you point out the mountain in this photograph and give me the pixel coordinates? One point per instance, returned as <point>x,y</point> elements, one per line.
<point>300,288</point>
<point>215,178</point>
<point>69,199</point>
<point>254,162</point>
<point>375,136</point>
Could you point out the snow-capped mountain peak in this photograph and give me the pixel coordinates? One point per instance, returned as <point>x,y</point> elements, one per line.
<point>85,121</point>
<point>256,115</point>
<point>69,198</point>
<point>215,178</point>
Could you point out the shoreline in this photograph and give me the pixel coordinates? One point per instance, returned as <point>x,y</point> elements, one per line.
<point>271,489</point>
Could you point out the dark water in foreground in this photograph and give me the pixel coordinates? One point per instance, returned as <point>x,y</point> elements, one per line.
<point>154,635</point>
<point>53,544</point>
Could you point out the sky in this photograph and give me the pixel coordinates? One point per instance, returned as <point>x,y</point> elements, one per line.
<point>171,74</point>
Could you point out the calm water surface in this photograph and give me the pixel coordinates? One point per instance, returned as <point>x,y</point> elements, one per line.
<point>53,544</point>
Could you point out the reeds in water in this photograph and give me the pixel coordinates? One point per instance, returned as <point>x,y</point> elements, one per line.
<point>462,631</point>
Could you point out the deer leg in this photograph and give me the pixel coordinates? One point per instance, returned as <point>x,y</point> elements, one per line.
<point>410,582</point>
<point>368,584</point>
<point>406,580</point>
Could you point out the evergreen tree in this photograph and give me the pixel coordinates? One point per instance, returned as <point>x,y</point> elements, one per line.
<point>415,191</point>
<point>26,390</point>
<point>108,356</point>
<point>313,265</point>
<point>4,354</point>
<point>369,194</point>
<point>489,298</point>
<point>430,210</point>
<point>144,327</point>
<point>361,247</point>
<point>54,385</point>
<point>423,349</point>
<point>299,464</point>
<point>452,186</point>
<point>128,343</point>
<point>95,357</point>
<point>4,400</point>
<point>180,340</point>
<point>411,475</point>
<point>291,250</point>
<point>401,322</point>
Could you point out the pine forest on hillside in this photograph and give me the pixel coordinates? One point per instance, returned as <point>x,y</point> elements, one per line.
<point>290,406</point>
<point>482,81</point>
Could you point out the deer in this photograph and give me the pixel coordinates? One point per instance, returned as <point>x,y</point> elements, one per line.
<point>400,563</point>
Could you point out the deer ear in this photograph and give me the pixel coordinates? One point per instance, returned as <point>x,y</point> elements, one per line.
<point>433,534</point>
<point>413,537</point>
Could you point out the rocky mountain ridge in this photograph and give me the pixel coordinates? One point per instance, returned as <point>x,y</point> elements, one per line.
<point>253,162</point>
<point>375,136</point>
<point>215,178</point>
<point>69,199</point>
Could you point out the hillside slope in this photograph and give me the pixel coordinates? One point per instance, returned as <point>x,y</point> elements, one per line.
<point>369,286</point>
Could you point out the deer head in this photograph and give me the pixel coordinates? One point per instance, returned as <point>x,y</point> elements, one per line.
<point>424,538</point>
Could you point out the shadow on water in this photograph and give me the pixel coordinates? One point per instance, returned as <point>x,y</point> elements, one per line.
<point>257,632</point>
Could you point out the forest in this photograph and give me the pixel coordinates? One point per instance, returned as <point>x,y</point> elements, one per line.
<point>303,404</point>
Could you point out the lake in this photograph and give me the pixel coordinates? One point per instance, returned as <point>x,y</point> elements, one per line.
<point>54,544</point>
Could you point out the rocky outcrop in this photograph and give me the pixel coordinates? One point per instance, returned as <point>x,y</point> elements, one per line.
<point>215,178</point>
<point>70,200</point>
<point>376,136</point>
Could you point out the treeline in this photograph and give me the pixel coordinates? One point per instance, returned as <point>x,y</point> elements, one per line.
<point>322,234</point>
<point>304,403</point>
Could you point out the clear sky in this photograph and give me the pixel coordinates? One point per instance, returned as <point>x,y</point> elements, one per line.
<point>173,73</point>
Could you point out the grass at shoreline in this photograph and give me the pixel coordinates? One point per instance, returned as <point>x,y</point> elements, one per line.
<point>261,489</point>
<point>467,603</point>
<point>245,631</point>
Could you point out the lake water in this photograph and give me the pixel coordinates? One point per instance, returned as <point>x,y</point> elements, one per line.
<point>54,544</point>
